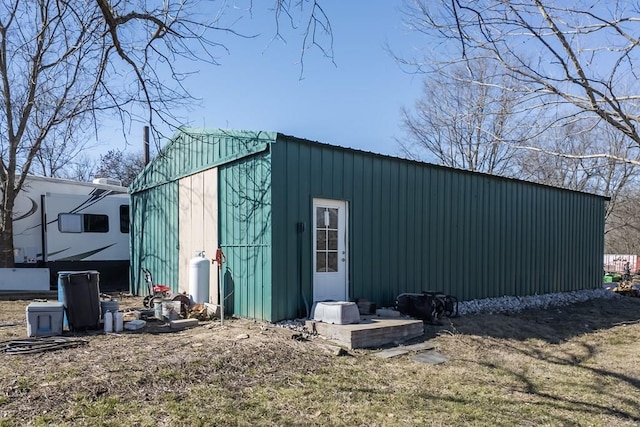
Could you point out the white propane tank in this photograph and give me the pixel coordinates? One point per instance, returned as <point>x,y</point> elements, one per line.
<point>119,321</point>
<point>108,322</point>
<point>199,278</point>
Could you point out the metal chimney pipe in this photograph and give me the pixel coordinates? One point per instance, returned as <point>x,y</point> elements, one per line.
<point>146,145</point>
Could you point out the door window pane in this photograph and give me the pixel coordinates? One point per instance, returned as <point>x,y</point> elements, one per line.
<point>320,218</point>
<point>321,261</point>
<point>332,240</point>
<point>321,242</point>
<point>332,261</point>
<point>333,218</point>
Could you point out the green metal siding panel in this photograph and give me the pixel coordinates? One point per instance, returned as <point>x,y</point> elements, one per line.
<point>363,206</point>
<point>417,227</point>
<point>245,235</point>
<point>293,172</point>
<point>292,256</point>
<point>154,237</point>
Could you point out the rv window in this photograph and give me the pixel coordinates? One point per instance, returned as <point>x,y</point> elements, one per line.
<point>78,223</point>
<point>69,223</point>
<point>124,218</point>
<point>95,223</point>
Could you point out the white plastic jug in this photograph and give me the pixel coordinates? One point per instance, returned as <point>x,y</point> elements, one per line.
<point>108,322</point>
<point>119,316</point>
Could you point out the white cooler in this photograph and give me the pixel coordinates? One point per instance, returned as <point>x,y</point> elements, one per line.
<point>44,319</point>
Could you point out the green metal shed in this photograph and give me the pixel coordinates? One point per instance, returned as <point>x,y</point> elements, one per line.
<point>301,221</point>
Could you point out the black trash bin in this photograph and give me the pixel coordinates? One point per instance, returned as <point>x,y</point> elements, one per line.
<point>79,291</point>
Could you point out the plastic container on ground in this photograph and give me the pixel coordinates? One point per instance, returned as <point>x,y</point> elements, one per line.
<point>199,268</point>
<point>44,319</point>
<point>80,293</point>
<point>336,312</point>
<point>157,309</point>
<point>170,310</point>
<point>134,325</point>
<point>118,321</point>
<point>108,322</point>
<point>109,305</point>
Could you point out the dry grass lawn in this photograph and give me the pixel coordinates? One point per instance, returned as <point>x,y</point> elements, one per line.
<point>575,365</point>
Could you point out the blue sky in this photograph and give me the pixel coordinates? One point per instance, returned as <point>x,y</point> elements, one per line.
<point>354,103</point>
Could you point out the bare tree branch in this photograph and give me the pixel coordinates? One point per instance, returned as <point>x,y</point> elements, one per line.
<point>578,156</point>
<point>516,33</point>
<point>466,124</point>
<point>67,65</point>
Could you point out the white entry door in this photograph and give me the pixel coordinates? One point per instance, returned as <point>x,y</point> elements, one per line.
<point>330,258</point>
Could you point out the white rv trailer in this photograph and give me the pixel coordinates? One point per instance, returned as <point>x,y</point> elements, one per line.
<point>74,226</point>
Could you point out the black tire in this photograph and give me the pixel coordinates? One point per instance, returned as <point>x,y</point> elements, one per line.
<point>147,300</point>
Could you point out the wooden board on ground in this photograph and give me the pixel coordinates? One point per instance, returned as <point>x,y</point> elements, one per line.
<point>430,358</point>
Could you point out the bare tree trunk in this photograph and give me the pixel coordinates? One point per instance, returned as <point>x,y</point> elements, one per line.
<point>6,241</point>
<point>7,259</point>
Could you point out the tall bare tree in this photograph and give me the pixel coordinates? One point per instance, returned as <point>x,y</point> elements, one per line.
<point>63,64</point>
<point>623,224</point>
<point>570,156</point>
<point>584,54</point>
<point>121,165</point>
<point>467,118</point>
<point>64,145</point>
<point>81,168</point>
